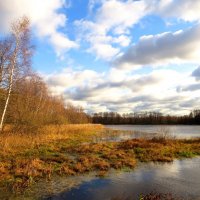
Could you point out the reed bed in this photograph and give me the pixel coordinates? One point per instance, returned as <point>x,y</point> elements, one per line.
<point>14,142</point>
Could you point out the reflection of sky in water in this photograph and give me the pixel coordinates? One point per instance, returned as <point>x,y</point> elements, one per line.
<point>45,189</point>
<point>182,178</point>
<point>179,131</point>
<point>125,132</point>
<point>120,136</point>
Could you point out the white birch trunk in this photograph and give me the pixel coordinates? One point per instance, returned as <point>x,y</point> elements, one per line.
<point>10,84</point>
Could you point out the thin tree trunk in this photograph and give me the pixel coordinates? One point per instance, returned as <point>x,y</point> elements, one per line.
<point>1,68</point>
<point>10,85</point>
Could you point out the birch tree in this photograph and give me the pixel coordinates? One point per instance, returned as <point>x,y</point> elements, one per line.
<point>17,56</point>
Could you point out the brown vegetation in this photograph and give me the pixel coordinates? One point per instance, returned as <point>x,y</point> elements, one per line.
<point>68,150</point>
<point>25,100</point>
<point>14,143</point>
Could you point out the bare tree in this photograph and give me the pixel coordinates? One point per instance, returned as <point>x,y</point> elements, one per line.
<point>17,53</point>
<point>24,97</point>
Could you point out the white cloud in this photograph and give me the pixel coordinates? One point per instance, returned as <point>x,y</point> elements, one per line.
<point>119,90</point>
<point>123,40</point>
<point>44,16</point>
<point>187,10</point>
<point>162,49</point>
<point>120,15</point>
<point>108,30</point>
<point>113,20</point>
<point>62,43</point>
<point>69,78</point>
<point>104,51</point>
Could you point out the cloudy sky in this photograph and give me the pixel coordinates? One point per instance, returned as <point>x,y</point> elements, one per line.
<point>116,55</point>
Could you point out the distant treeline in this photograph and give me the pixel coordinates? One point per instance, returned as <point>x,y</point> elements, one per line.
<point>146,118</point>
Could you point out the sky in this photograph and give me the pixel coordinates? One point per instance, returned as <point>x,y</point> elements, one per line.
<point>116,55</point>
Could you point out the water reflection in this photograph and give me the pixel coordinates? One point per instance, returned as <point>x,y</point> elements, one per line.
<point>149,131</point>
<point>116,136</point>
<point>181,178</point>
<point>45,188</point>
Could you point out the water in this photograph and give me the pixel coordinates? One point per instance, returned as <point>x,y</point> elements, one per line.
<point>136,131</point>
<point>180,178</point>
<point>113,135</point>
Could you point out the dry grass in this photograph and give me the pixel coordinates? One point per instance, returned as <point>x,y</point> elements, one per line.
<point>12,143</point>
<point>67,150</point>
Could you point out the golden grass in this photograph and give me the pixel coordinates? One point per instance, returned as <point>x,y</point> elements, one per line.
<point>69,150</point>
<point>12,143</point>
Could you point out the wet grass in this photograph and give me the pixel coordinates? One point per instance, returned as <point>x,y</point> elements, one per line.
<point>75,154</point>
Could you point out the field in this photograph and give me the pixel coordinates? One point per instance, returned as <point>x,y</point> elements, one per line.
<point>69,150</point>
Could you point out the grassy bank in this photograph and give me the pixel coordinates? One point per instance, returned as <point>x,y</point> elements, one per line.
<point>67,150</point>
<point>12,144</point>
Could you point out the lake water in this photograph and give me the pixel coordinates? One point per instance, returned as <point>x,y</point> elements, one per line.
<point>180,178</point>
<point>136,131</point>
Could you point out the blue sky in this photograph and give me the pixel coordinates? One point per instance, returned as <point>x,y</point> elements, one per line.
<point>116,55</point>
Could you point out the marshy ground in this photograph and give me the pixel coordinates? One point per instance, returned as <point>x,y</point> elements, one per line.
<point>69,150</point>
